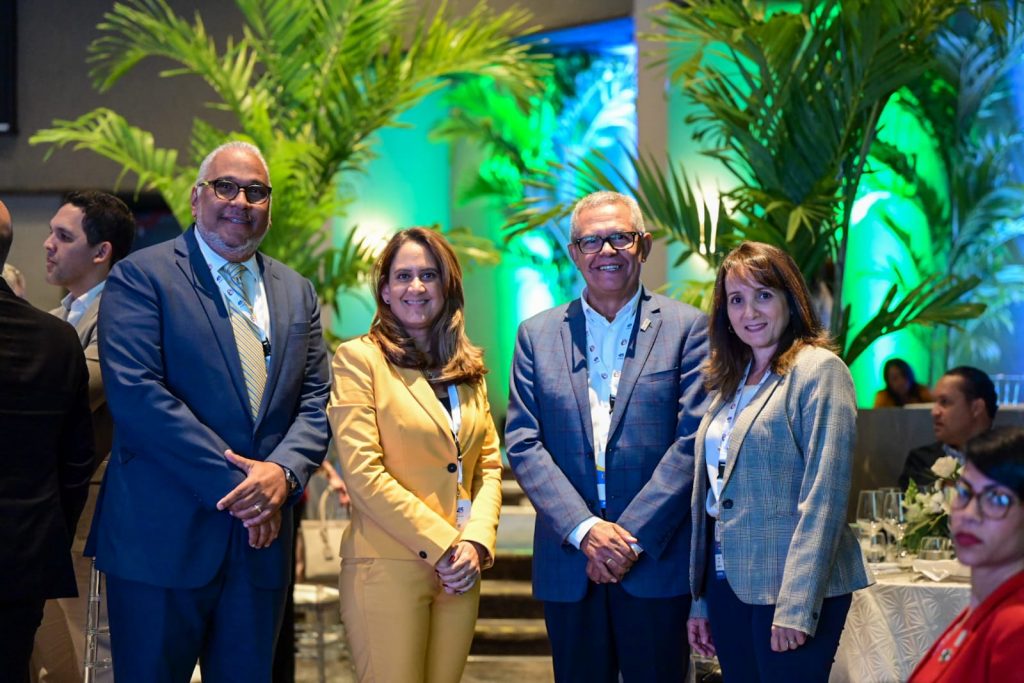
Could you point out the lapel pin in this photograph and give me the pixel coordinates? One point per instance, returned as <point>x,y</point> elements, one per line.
<point>645,324</point>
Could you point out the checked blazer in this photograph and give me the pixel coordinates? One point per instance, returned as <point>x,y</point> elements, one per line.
<point>785,540</point>
<point>649,458</point>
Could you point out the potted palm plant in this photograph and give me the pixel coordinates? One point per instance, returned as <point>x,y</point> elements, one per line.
<point>309,82</point>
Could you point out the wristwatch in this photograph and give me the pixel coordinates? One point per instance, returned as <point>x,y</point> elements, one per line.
<point>293,482</point>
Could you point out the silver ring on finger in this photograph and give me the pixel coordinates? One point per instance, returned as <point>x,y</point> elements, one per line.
<point>258,508</point>
<point>608,561</point>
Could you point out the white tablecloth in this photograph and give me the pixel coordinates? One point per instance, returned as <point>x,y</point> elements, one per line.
<point>892,624</point>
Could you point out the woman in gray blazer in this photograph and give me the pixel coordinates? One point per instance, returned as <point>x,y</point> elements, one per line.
<point>773,563</point>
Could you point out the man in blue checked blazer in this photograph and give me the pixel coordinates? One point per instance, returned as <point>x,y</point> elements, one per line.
<point>217,379</point>
<point>606,394</point>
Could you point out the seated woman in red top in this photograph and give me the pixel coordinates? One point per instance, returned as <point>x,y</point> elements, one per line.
<point>987,520</point>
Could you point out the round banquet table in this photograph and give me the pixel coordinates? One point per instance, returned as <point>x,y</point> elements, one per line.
<point>892,624</point>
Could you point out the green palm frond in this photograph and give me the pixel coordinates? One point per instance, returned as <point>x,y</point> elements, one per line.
<point>309,83</point>
<point>107,133</point>
<point>334,269</point>
<point>473,250</point>
<point>138,29</point>
<point>937,300</point>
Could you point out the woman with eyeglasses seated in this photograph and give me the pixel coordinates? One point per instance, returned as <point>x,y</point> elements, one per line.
<point>419,454</point>
<point>987,522</point>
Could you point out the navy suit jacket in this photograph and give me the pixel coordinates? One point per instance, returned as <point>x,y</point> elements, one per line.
<point>649,458</point>
<point>175,389</point>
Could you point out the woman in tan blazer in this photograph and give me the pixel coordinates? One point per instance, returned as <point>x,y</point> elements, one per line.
<point>773,562</point>
<point>419,453</point>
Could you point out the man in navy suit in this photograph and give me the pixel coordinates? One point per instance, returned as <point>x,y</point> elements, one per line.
<point>217,378</point>
<point>605,397</point>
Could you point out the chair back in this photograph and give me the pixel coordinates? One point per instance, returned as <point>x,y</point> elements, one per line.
<point>1008,388</point>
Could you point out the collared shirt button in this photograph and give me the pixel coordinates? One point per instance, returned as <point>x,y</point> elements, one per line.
<point>452,467</point>
<point>423,554</point>
<point>727,503</point>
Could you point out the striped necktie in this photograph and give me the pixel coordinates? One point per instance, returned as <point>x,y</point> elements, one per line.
<point>248,337</point>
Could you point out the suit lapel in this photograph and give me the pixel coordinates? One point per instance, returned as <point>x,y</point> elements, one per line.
<point>278,305</point>
<point>193,266</point>
<point>421,390</point>
<point>745,420</point>
<point>87,323</point>
<point>574,339</point>
<point>645,332</point>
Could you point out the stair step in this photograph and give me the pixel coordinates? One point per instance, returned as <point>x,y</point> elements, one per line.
<point>512,493</point>
<point>492,668</point>
<point>511,637</point>
<point>511,565</point>
<point>509,599</point>
<point>515,530</point>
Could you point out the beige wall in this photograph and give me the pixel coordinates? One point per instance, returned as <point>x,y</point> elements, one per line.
<point>53,83</point>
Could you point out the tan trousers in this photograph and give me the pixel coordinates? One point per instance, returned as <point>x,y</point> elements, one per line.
<point>58,654</point>
<point>401,625</point>
<point>59,650</point>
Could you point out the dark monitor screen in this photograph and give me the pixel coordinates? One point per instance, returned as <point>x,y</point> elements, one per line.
<point>8,51</point>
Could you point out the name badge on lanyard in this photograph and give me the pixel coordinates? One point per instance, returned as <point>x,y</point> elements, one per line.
<point>718,483</point>
<point>463,505</point>
<point>719,558</point>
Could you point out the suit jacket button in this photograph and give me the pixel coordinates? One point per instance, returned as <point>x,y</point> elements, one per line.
<point>727,503</point>
<point>814,615</point>
<point>423,554</point>
<point>452,467</point>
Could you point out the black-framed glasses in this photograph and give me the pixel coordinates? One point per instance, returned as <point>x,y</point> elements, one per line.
<point>993,503</point>
<point>591,244</point>
<point>228,189</point>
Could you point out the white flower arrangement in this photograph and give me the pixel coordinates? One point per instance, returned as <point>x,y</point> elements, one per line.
<point>928,509</point>
<point>947,467</point>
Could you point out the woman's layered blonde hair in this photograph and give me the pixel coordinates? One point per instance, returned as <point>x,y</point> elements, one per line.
<point>451,353</point>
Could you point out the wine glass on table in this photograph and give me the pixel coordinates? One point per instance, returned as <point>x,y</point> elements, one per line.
<point>869,519</point>
<point>894,520</point>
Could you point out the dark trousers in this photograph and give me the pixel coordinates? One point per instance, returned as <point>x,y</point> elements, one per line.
<point>18,623</point>
<point>742,637</point>
<point>157,633</point>
<point>610,631</point>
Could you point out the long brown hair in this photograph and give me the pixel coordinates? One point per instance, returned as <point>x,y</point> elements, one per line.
<point>450,349</point>
<point>770,267</point>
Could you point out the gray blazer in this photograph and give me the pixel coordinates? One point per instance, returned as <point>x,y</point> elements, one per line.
<point>783,506</point>
<point>649,463</point>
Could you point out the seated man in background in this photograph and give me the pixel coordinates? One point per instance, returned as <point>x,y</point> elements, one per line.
<point>965,406</point>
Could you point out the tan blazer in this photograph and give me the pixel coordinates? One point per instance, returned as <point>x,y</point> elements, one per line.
<point>398,459</point>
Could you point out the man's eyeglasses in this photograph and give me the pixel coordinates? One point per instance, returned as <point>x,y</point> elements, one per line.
<point>228,189</point>
<point>993,503</point>
<point>591,244</point>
